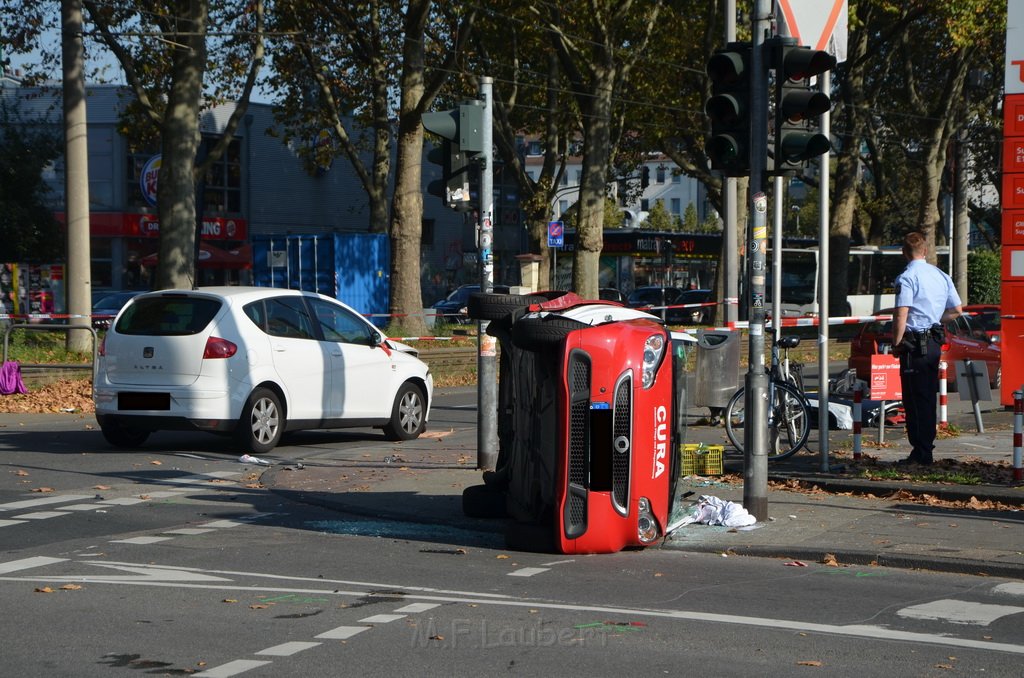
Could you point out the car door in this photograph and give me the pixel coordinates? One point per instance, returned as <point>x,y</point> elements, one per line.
<point>301,362</point>
<point>963,345</point>
<point>363,374</point>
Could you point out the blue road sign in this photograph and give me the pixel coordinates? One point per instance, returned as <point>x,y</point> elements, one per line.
<point>556,234</point>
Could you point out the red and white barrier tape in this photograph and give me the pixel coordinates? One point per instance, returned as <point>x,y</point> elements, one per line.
<point>943,396</point>
<point>1018,433</point>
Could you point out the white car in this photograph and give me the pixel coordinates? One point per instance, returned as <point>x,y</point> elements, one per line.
<point>253,362</point>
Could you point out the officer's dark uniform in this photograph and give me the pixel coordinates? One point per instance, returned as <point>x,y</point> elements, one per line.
<point>927,292</point>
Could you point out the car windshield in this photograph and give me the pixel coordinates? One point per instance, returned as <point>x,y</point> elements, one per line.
<point>168,315</point>
<point>649,296</point>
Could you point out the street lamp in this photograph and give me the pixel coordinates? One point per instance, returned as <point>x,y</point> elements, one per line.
<point>796,208</point>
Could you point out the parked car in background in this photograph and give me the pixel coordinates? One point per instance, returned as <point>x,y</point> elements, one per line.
<point>452,309</point>
<point>651,298</point>
<point>612,294</point>
<point>254,363</point>
<point>106,304</point>
<point>985,318</point>
<point>964,341</point>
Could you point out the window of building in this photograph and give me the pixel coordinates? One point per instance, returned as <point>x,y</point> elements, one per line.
<point>645,205</point>
<point>660,176</point>
<point>676,206</point>
<point>579,177</point>
<point>564,181</point>
<point>563,206</point>
<point>677,178</point>
<point>223,192</point>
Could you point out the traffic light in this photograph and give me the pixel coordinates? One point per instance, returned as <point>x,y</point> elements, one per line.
<point>797,105</point>
<point>461,135</point>
<point>728,147</point>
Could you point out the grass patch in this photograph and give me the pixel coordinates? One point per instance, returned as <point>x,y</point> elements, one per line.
<point>37,347</point>
<point>931,476</point>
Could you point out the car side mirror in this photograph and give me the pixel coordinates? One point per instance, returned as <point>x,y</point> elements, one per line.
<point>376,338</point>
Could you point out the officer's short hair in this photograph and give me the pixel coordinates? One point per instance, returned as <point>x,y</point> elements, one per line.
<point>914,244</point>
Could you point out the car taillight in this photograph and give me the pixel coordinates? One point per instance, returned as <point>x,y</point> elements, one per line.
<point>218,348</point>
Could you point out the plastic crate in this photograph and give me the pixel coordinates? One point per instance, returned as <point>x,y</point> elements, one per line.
<point>702,460</point>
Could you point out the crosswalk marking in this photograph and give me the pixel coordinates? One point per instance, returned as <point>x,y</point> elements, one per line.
<point>28,564</point>
<point>140,540</point>
<point>527,571</point>
<point>43,501</point>
<point>40,515</point>
<point>288,649</point>
<point>1013,588</point>
<point>381,619</point>
<point>232,668</point>
<point>342,632</point>
<point>415,608</point>
<point>959,612</point>
<point>98,503</point>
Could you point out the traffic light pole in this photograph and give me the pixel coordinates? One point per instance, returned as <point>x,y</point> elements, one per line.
<point>755,432</point>
<point>487,381</point>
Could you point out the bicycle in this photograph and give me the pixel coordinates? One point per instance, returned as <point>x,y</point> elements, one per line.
<point>789,421</point>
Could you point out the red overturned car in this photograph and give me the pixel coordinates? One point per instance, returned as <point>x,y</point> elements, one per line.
<point>590,403</point>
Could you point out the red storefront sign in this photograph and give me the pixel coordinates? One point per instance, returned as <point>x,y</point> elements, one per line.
<point>1013,227</point>
<point>1013,115</point>
<point>1013,191</point>
<point>133,225</point>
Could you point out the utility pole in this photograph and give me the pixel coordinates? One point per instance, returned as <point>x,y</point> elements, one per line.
<point>755,433</point>
<point>731,275</point>
<point>487,381</point>
<point>78,280</point>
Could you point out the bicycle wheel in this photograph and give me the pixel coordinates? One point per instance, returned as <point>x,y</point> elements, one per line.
<point>788,420</point>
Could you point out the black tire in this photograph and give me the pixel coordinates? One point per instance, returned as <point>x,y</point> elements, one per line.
<point>789,407</point>
<point>530,537</point>
<point>261,423</point>
<point>483,501</point>
<point>119,435</point>
<point>408,414</point>
<point>492,306</point>
<point>538,334</point>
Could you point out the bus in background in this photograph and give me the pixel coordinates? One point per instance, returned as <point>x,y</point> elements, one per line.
<point>871,275</point>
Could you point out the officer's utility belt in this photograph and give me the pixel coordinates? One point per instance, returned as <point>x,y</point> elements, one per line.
<point>916,341</point>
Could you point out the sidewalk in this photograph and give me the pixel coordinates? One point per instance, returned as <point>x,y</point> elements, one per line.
<point>856,521</point>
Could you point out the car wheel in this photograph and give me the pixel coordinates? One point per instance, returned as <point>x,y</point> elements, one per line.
<point>262,422</point>
<point>491,306</point>
<point>408,415</point>
<point>536,334</point>
<point>119,435</point>
<point>483,501</point>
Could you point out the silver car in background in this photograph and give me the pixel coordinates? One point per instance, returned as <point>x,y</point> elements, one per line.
<point>253,363</point>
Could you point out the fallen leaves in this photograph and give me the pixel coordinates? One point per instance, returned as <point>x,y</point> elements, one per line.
<point>809,662</point>
<point>43,489</point>
<point>61,396</point>
<point>830,560</point>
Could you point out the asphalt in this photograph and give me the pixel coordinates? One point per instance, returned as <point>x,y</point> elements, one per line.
<point>819,510</point>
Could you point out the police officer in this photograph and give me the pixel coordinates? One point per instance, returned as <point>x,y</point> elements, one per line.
<point>925,301</point>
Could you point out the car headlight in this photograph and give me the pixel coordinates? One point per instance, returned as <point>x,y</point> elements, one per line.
<point>654,351</point>
<point>646,526</point>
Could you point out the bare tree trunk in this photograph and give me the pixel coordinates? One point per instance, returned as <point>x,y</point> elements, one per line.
<point>176,193</point>
<point>407,202</point>
<point>597,145</point>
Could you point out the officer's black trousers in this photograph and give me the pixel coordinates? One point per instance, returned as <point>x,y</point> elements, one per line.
<point>919,376</point>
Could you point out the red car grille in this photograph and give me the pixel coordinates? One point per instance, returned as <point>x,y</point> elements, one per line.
<point>622,443</point>
<point>578,380</point>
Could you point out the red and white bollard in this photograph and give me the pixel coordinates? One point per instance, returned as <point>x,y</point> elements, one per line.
<point>1018,434</point>
<point>858,418</point>
<point>943,397</point>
